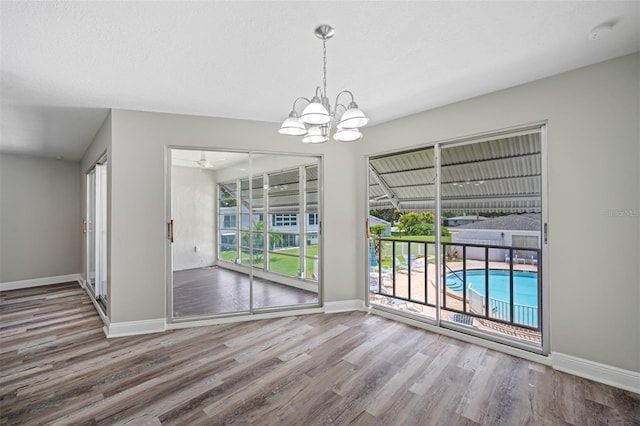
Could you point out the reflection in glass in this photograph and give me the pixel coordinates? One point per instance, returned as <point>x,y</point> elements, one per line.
<point>265,221</point>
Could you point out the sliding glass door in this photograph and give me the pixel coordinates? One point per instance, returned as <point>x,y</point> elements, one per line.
<point>244,233</point>
<point>96,232</point>
<point>456,235</point>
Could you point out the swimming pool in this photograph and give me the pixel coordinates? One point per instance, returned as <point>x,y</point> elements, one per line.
<point>525,285</point>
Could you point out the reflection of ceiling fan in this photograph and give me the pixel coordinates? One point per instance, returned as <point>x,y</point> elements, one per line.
<point>203,162</point>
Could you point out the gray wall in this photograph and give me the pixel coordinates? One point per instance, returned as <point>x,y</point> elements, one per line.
<point>40,224</point>
<point>593,178</point>
<point>193,192</point>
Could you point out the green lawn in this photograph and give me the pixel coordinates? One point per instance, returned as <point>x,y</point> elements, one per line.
<point>285,261</point>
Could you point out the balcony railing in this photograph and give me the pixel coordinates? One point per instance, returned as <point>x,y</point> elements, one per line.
<point>484,281</point>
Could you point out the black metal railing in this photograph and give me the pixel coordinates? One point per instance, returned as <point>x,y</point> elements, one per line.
<point>458,295</point>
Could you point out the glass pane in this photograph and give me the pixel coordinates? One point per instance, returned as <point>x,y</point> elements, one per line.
<point>491,199</point>
<point>248,221</point>
<point>227,195</point>
<point>312,268</point>
<point>207,211</point>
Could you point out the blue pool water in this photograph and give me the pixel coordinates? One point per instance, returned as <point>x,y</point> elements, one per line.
<point>525,285</point>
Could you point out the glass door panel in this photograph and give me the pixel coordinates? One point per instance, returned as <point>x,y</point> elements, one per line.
<point>492,201</point>
<point>402,272</point>
<point>90,233</point>
<point>290,274</point>
<point>211,233</point>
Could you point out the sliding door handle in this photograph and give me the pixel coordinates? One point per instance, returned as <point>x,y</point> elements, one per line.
<point>170,230</point>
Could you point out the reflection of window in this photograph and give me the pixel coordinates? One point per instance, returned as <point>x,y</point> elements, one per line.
<point>313,218</point>
<point>285,219</point>
<point>290,240</point>
<point>229,221</point>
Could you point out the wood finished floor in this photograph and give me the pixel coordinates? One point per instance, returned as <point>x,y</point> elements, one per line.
<point>347,368</point>
<point>210,291</point>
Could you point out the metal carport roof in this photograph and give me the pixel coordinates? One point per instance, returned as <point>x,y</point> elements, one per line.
<point>500,175</point>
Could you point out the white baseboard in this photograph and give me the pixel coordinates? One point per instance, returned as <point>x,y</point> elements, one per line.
<point>132,328</point>
<point>603,373</point>
<point>36,282</point>
<point>344,306</point>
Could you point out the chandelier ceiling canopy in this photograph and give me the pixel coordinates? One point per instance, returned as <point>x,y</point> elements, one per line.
<point>318,117</point>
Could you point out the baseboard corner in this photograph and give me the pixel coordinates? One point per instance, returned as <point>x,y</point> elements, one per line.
<point>134,328</point>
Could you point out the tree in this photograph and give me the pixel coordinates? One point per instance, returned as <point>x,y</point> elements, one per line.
<point>377,230</point>
<point>257,241</point>
<point>414,223</point>
<point>390,215</point>
<point>275,240</point>
<point>409,223</point>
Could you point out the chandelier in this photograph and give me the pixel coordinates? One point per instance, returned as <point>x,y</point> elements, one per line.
<point>318,116</point>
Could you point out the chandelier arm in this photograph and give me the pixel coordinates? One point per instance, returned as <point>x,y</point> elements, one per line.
<point>293,108</point>
<point>344,91</point>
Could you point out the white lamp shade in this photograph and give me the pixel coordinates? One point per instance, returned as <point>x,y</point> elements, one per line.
<point>315,135</point>
<point>292,127</point>
<point>315,113</point>
<point>353,118</point>
<point>347,135</point>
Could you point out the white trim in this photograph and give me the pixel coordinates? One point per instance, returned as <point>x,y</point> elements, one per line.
<point>603,373</point>
<point>344,306</point>
<point>242,318</point>
<point>132,328</point>
<point>36,282</point>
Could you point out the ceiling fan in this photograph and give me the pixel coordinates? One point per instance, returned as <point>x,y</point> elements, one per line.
<point>203,162</point>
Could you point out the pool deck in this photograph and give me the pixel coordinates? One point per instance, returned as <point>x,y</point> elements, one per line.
<point>416,279</point>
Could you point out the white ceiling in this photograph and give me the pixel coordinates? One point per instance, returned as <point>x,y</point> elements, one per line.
<point>65,63</point>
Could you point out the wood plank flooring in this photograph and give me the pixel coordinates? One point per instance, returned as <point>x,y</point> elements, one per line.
<point>210,291</point>
<point>348,368</point>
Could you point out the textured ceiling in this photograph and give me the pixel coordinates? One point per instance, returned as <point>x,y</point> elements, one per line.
<point>65,63</point>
